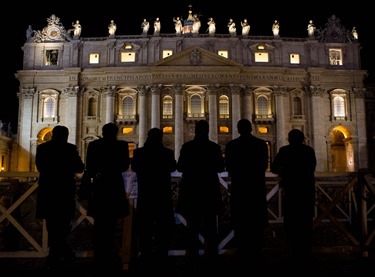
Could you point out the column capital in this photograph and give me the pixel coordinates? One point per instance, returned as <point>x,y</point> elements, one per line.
<point>279,90</point>
<point>27,93</point>
<point>155,89</point>
<point>316,90</point>
<point>71,91</point>
<point>359,92</point>
<point>108,90</point>
<point>179,88</point>
<point>142,90</point>
<point>235,89</point>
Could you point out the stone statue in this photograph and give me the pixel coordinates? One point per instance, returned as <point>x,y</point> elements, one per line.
<point>29,33</point>
<point>77,28</point>
<point>276,28</point>
<point>157,26</point>
<point>211,26</point>
<point>196,25</point>
<point>245,27</point>
<point>145,26</point>
<point>354,33</point>
<point>231,27</point>
<point>177,25</point>
<point>311,29</point>
<point>112,28</point>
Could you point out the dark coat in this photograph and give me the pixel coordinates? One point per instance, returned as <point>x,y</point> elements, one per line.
<point>200,161</point>
<point>57,163</point>
<point>246,160</point>
<point>106,160</point>
<point>153,165</point>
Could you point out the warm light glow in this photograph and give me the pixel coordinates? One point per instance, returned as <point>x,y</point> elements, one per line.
<point>263,130</point>
<point>127,57</point>
<point>223,129</point>
<point>167,53</point>
<point>294,59</point>
<point>261,57</point>
<point>168,129</point>
<point>127,130</point>
<point>223,53</point>
<point>94,58</point>
<point>261,47</point>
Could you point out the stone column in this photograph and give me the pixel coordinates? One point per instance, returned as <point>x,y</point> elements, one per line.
<point>212,107</point>
<point>361,151</point>
<point>109,93</point>
<point>142,128</point>
<point>25,97</point>
<point>236,108</point>
<point>318,142</point>
<point>71,110</point>
<point>155,106</point>
<point>281,138</point>
<point>179,119</point>
<point>248,103</point>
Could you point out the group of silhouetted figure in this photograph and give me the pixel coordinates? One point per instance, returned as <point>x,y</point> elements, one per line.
<point>245,158</point>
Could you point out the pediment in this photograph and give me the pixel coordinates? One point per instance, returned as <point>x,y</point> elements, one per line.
<point>195,56</point>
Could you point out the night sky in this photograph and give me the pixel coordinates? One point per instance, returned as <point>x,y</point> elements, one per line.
<point>95,18</point>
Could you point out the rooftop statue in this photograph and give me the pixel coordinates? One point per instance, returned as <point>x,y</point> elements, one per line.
<point>112,28</point>
<point>245,27</point>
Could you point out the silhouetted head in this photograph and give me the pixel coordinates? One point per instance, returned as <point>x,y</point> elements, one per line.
<point>154,136</point>
<point>201,128</point>
<point>244,126</point>
<point>296,136</point>
<point>110,130</point>
<point>60,133</point>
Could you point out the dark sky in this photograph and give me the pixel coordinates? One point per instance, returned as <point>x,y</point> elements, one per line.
<point>95,18</point>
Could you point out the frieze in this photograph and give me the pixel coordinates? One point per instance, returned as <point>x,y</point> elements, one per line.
<point>221,76</point>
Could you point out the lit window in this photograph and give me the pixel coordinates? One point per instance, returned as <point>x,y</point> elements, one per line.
<point>127,130</point>
<point>196,105</point>
<point>294,59</point>
<point>263,130</point>
<point>128,46</point>
<point>335,57</point>
<point>94,58</point>
<point>167,107</point>
<point>338,106</point>
<point>224,106</point>
<point>262,105</point>
<point>167,129</point>
<point>127,57</point>
<point>261,57</point>
<point>49,108</point>
<point>224,129</point>
<point>223,53</point>
<point>128,107</point>
<point>261,47</point>
<point>167,53</point>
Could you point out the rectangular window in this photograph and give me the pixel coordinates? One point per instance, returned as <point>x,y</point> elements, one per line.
<point>52,57</point>
<point>261,57</point>
<point>128,57</point>
<point>223,53</point>
<point>335,56</point>
<point>167,53</point>
<point>94,58</point>
<point>294,59</point>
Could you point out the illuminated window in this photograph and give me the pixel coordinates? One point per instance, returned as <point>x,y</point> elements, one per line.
<point>223,129</point>
<point>338,106</point>
<point>261,47</point>
<point>224,106</point>
<point>127,130</point>
<point>49,107</point>
<point>223,53</point>
<point>294,59</point>
<point>127,57</point>
<point>94,58</point>
<point>52,57</point>
<point>167,129</point>
<point>167,107</point>
<point>128,46</point>
<point>261,57</point>
<point>167,53</point>
<point>263,130</point>
<point>262,105</point>
<point>335,56</point>
<point>196,105</point>
<point>128,107</point>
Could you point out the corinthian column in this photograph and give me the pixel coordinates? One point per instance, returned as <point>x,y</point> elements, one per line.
<point>212,99</point>
<point>279,92</point>
<point>155,106</point>
<point>236,113</point>
<point>179,121</point>
<point>142,128</point>
<point>360,155</point>
<point>248,103</point>
<point>109,93</point>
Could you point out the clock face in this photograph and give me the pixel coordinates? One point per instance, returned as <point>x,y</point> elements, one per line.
<point>54,33</point>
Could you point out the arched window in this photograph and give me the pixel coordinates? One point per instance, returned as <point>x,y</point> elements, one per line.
<point>49,107</point>
<point>297,106</point>
<point>196,105</point>
<point>128,107</point>
<point>262,105</point>
<point>224,106</point>
<point>92,107</point>
<point>338,106</point>
<point>167,107</point>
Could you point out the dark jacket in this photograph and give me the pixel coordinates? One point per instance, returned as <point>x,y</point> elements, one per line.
<point>57,163</point>
<point>106,160</point>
